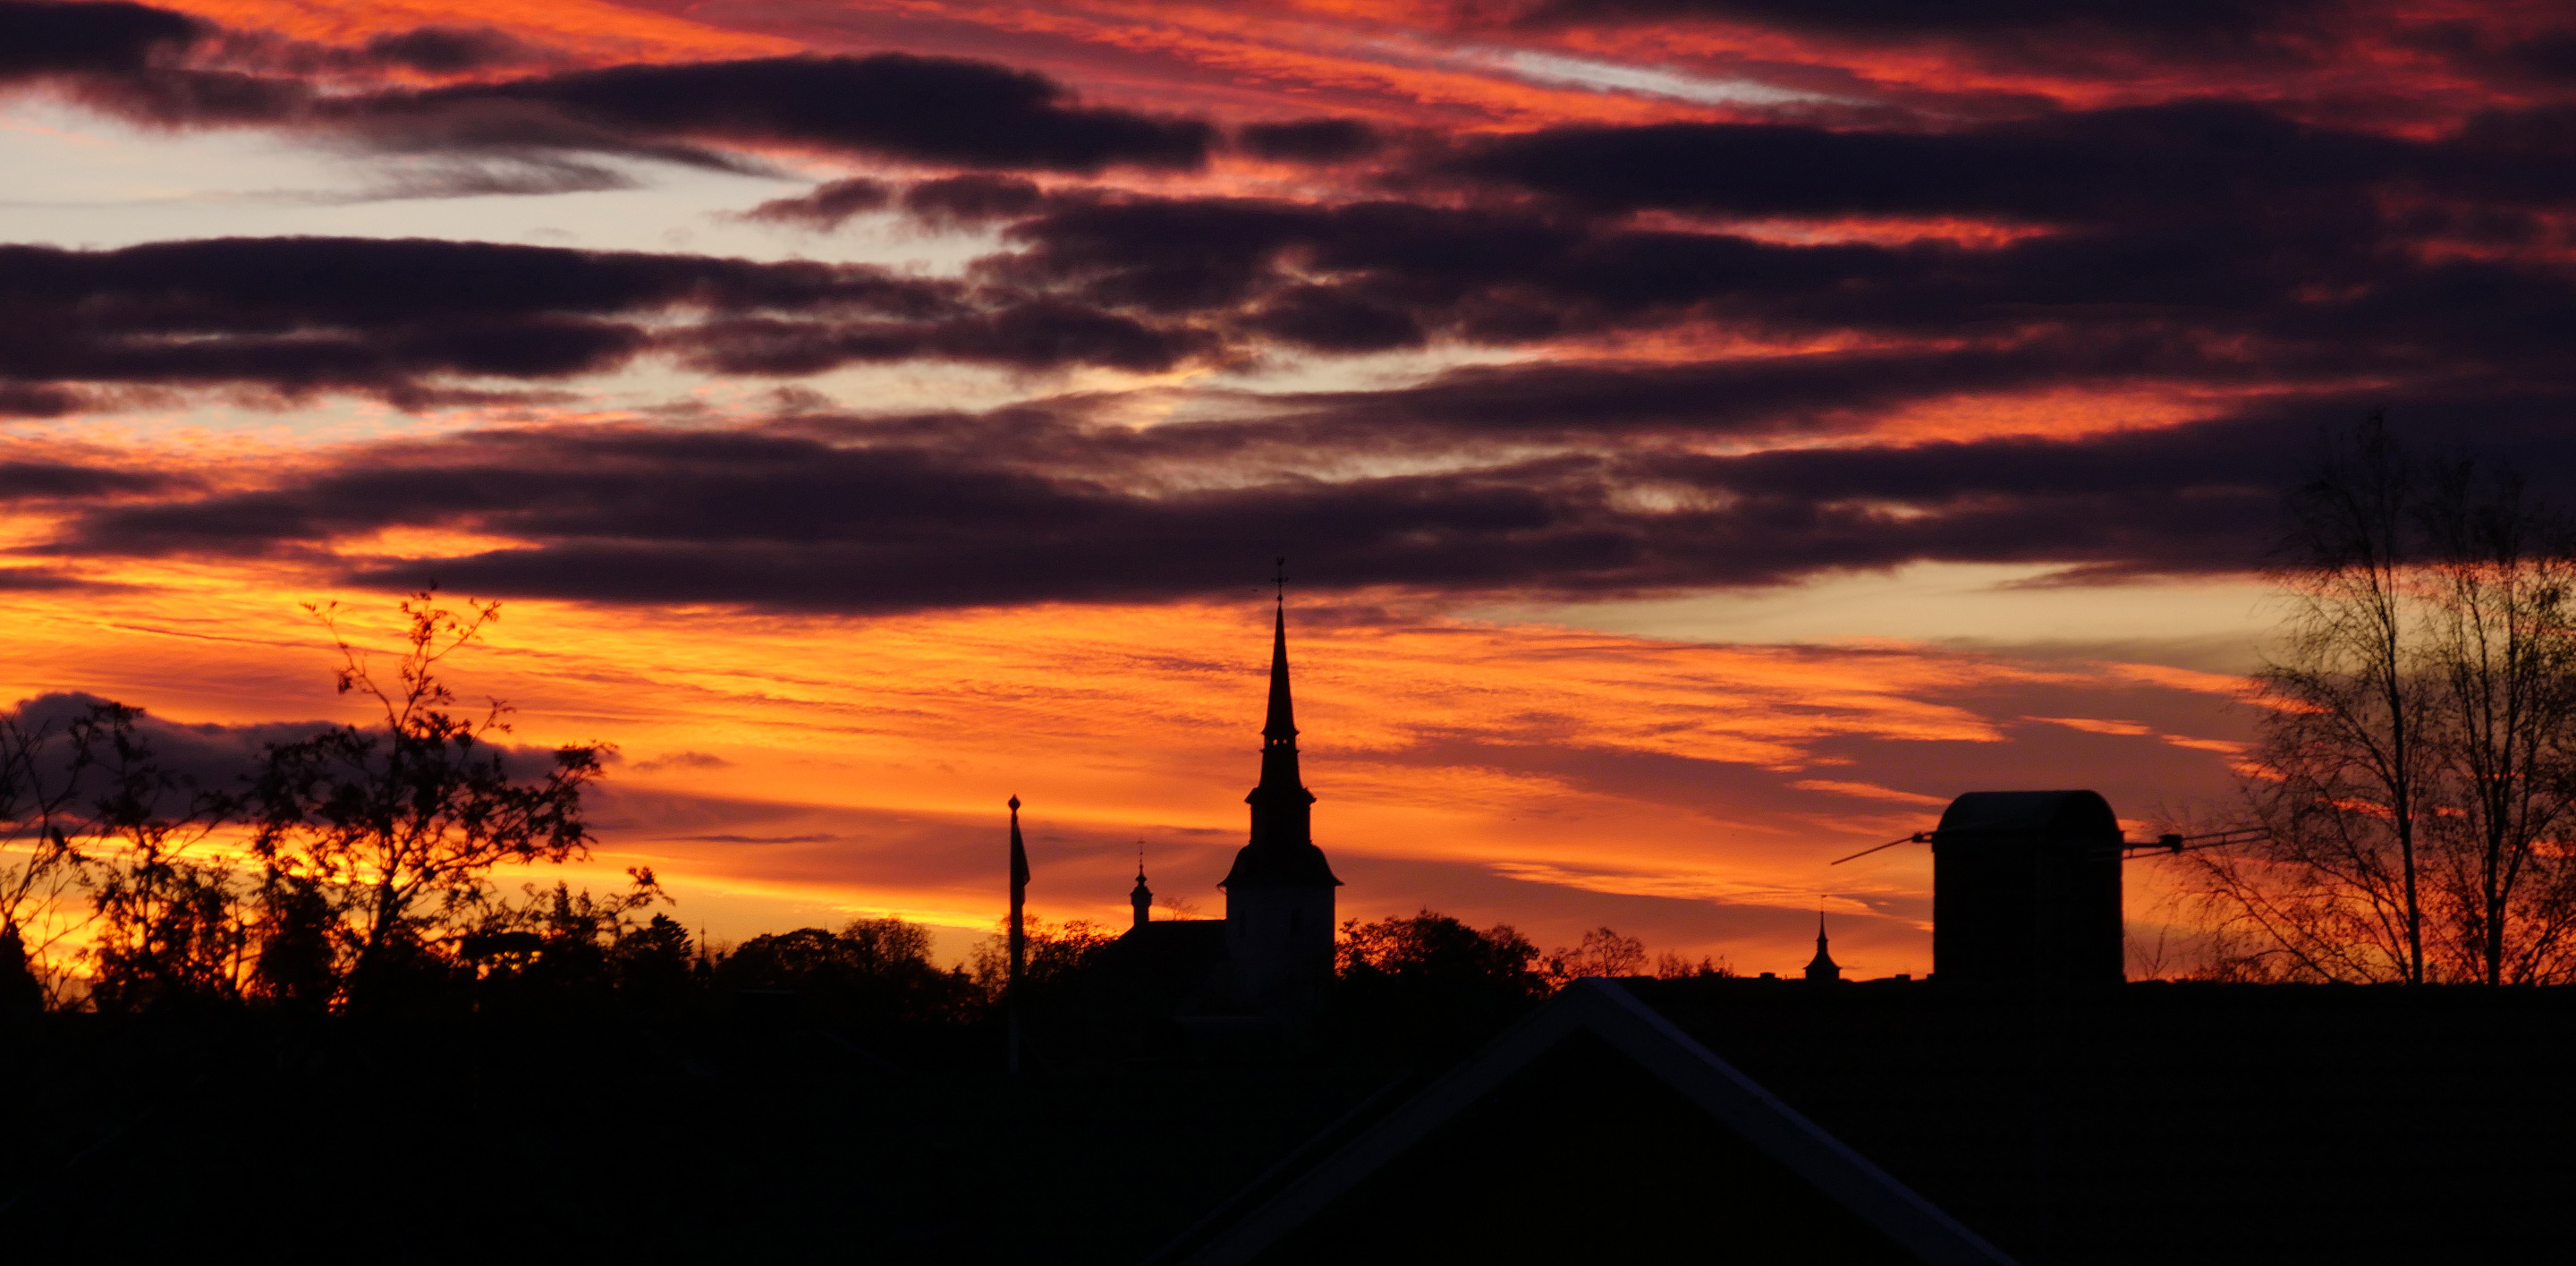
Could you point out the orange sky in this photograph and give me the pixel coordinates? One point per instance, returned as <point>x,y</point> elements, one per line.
<point>1678,762</point>
<point>780,769</point>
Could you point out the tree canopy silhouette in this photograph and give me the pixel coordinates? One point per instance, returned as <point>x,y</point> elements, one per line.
<point>386,834</point>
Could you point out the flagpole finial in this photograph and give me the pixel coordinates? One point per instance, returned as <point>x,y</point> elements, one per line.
<point>1015,804</point>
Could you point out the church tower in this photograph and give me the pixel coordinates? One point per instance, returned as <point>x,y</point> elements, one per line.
<point>1279,896</point>
<point>1822,968</point>
<point>1141,897</point>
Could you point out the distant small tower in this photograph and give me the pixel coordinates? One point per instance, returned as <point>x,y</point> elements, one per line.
<point>1143,897</point>
<point>1822,967</point>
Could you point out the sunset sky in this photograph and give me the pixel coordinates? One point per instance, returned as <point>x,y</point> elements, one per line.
<point>1706,435</point>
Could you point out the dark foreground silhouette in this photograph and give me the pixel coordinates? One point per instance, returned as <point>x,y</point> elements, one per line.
<point>2139,1124</point>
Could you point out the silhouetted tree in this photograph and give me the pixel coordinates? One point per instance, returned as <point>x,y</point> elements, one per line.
<point>2345,749</point>
<point>1601,952</point>
<point>396,826</point>
<point>47,783</point>
<point>653,965</point>
<point>1429,984</point>
<point>170,929</point>
<point>874,973</point>
<point>2414,763</point>
<point>1671,966</point>
<point>296,968</point>
<point>1057,953</point>
<point>2502,658</point>
<point>551,954</point>
<point>20,992</point>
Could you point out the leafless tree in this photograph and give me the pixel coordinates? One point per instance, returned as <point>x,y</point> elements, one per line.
<point>2339,891</point>
<point>1601,952</point>
<point>2412,763</point>
<point>2502,660</point>
<point>1672,966</point>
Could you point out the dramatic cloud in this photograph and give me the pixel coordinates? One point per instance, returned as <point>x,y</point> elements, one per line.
<point>2194,19</point>
<point>929,110</point>
<point>798,522</point>
<point>939,111</point>
<point>1311,140</point>
<point>2179,161</point>
<point>38,39</point>
<point>50,480</point>
<point>405,319</point>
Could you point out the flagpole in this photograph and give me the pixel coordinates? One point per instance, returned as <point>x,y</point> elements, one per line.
<point>1019,936</point>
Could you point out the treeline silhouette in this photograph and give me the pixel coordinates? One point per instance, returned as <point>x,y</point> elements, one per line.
<point>348,872</point>
<point>277,997</point>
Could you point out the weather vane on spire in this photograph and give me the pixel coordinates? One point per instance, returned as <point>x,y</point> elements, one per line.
<point>1279,577</point>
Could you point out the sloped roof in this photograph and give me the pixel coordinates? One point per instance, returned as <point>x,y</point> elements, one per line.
<point>1288,864</point>
<point>1835,1187</point>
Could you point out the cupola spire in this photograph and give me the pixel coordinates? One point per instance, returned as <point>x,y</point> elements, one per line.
<point>1280,729</point>
<point>1822,967</point>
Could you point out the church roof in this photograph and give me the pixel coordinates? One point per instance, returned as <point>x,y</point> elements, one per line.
<point>1283,865</point>
<point>1166,965</point>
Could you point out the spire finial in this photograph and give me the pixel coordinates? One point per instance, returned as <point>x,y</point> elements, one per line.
<point>1279,577</point>
<point>1015,804</point>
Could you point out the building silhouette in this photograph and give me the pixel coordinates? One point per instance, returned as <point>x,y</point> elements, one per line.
<point>2026,890</point>
<point>1822,968</point>
<point>1279,894</point>
<point>1270,959</point>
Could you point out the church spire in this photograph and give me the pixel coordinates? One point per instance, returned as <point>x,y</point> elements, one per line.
<point>1279,774</point>
<point>1142,898</point>
<point>1282,848</point>
<point>1822,966</point>
<point>1280,730</point>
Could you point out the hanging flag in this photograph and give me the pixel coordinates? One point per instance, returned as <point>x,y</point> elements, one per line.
<point>1019,896</point>
<point>1019,857</point>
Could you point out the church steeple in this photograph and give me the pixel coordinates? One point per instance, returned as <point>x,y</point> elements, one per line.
<point>1279,895</point>
<point>1822,966</point>
<point>1282,848</point>
<point>1143,897</point>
